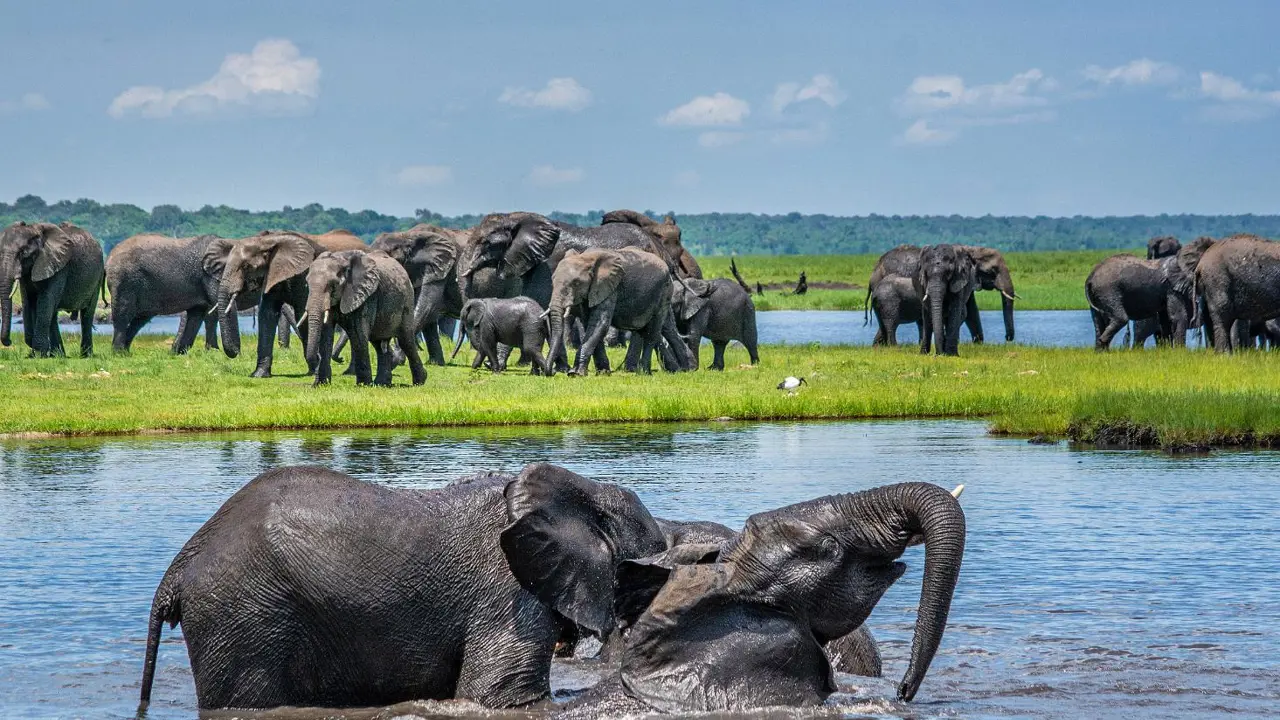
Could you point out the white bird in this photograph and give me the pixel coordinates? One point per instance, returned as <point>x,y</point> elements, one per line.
<point>790,383</point>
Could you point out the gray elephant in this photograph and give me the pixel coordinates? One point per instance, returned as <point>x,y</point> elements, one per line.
<point>270,270</point>
<point>894,301</point>
<point>1149,292</point>
<point>990,273</point>
<point>748,630</point>
<point>666,233</point>
<point>628,289</point>
<point>373,596</point>
<point>150,275</point>
<point>719,310</point>
<point>1238,282</point>
<point>368,295</point>
<point>429,254</point>
<point>495,325</point>
<point>945,282</point>
<point>57,267</point>
<point>1162,247</point>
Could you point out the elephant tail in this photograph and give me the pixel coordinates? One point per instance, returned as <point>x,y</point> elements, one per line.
<point>106,302</point>
<point>866,307</point>
<point>165,607</point>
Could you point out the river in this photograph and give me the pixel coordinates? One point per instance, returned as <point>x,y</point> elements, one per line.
<point>1098,584</point>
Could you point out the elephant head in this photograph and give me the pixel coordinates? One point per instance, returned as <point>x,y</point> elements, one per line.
<point>748,630</point>
<point>426,252</point>
<point>943,270</point>
<point>253,267</point>
<point>510,243</point>
<point>566,538</point>
<point>583,279</point>
<point>689,297</point>
<point>666,235</point>
<point>1162,247</point>
<point>991,273</point>
<point>340,281</point>
<point>39,250</point>
<point>473,315</point>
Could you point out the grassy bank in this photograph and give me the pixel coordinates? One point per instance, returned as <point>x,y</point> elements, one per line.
<point>1160,397</point>
<point>1045,280</point>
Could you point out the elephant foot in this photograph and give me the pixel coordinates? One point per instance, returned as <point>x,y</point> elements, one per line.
<point>261,372</point>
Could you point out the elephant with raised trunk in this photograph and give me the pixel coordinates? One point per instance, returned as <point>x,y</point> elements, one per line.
<point>495,325</point>
<point>57,267</point>
<point>270,270</point>
<point>719,310</point>
<point>990,273</point>
<point>945,281</point>
<point>368,295</point>
<point>311,588</point>
<point>429,254</point>
<point>150,275</point>
<point>668,235</point>
<point>748,630</point>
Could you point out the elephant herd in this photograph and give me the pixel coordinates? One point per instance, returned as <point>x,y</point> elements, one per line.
<point>629,275</point>
<point>1230,287</point>
<point>311,588</point>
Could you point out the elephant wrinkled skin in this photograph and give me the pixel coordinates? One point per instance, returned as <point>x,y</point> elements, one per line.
<point>495,324</point>
<point>945,281</point>
<point>57,267</point>
<point>430,255</point>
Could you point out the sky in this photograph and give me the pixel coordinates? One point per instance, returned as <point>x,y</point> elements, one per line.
<point>850,108</point>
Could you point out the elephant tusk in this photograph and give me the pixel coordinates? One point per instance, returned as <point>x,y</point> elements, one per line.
<point>544,314</point>
<point>958,491</point>
<point>1010,296</point>
<point>231,303</point>
<point>925,298</point>
<point>326,317</point>
<point>302,318</point>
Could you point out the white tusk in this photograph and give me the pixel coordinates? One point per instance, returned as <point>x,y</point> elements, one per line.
<point>925,298</point>
<point>326,317</point>
<point>1008,295</point>
<point>544,314</point>
<point>303,317</point>
<point>957,492</point>
<point>566,313</point>
<point>231,303</point>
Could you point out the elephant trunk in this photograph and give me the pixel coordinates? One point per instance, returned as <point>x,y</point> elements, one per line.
<point>937,291</point>
<point>8,270</point>
<point>1004,284</point>
<point>891,518</point>
<point>316,316</point>
<point>555,321</point>
<point>228,322</point>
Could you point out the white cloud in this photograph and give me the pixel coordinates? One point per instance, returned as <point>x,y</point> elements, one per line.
<point>274,78</point>
<point>921,134</point>
<point>949,105</point>
<point>549,175</point>
<point>30,102</point>
<point>1233,101</point>
<point>426,175</point>
<point>558,94</point>
<point>821,87</point>
<point>708,111</point>
<point>1143,71</point>
<point>720,138</point>
<point>687,179</point>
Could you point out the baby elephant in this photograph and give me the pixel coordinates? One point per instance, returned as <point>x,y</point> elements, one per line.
<point>720,310</point>
<point>513,322</point>
<point>369,296</point>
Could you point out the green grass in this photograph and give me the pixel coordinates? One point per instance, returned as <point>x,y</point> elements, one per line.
<point>1045,280</point>
<point>1163,396</point>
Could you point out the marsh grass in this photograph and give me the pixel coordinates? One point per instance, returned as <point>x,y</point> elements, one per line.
<point>1045,280</point>
<point>1173,397</point>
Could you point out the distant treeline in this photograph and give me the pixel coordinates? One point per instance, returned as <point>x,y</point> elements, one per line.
<point>704,233</point>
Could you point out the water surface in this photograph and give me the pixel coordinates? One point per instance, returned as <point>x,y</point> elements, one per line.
<point>1096,584</point>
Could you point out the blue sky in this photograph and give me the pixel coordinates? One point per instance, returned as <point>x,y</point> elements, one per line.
<point>843,108</point>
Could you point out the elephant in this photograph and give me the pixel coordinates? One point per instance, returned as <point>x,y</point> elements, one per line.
<point>333,241</point>
<point>269,270</point>
<point>1238,281</point>
<point>748,630</point>
<point>429,254</point>
<point>493,323</point>
<point>57,267</point>
<point>627,288</point>
<point>894,300</point>
<point>150,275</point>
<point>668,235</point>
<point>719,310</point>
<point>1162,247</point>
<point>945,282</point>
<point>1149,292</point>
<point>311,588</point>
<point>990,271</point>
<point>367,294</point>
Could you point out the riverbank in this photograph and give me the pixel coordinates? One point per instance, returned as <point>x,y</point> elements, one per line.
<point>1169,398</point>
<point>1052,280</point>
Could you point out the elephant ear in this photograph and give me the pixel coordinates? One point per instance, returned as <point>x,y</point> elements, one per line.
<point>436,253</point>
<point>606,277</point>
<point>640,580</point>
<point>55,252</point>
<point>362,280</point>
<point>965,275</point>
<point>215,255</point>
<point>566,537</point>
<point>703,646</point>
<point>695,297</point>
<point>292,256</point>
<point>534,240</point>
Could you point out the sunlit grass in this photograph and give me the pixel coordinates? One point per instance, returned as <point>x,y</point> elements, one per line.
<point>1172,396</point>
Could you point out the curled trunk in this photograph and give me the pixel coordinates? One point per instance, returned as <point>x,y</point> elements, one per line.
<point>228,323</point>
<point>8,271</point>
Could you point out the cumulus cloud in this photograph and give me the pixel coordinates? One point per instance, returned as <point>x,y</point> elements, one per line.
<point>708,111</point>
<point>920,133</point>
<point>550,175</point>
<point>821,87</point>
<point>1233,101</point>
<point>30,102</point>
<point>1143,71</point>
<point>425,175</point>
<point>274,78</point>
<point>948,105</point>
<point>558,94</point>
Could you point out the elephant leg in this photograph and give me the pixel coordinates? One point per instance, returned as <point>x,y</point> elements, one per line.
<point>697,331</point>
<point>597,325</point>
<point>385,364</point>
<point>504,354</point>
<point>268,317</point>
<point>284,326</point>
<point>972,320</point>
<point>337,348</point>
<point>46,315</point>
<point>86,331</point>
<point>926,332</point>
<point>131,332</point>
<point>537,362</point>
<point>192,320</point>
<point>55,338</point>
<point>954,318</point>
<point>1222,330</point>
<point>717,363</point>
<point>435,352</point>
<point>360,354</point>
<point>120,319</point>
<point>410,349</point>
<point>1240,336</point>
<point>210,331</point>
<point>1112,326</point>
<point>28,294</point>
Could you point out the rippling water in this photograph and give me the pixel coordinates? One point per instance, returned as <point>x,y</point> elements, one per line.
<point>1096,584</point>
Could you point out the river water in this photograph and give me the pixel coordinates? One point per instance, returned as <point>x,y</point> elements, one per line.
<point>1114,584</point>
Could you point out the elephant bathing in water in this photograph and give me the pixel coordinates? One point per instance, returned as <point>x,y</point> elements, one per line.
<point>311,588</point>
<point>57,267</point>
<point>369,296</point>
